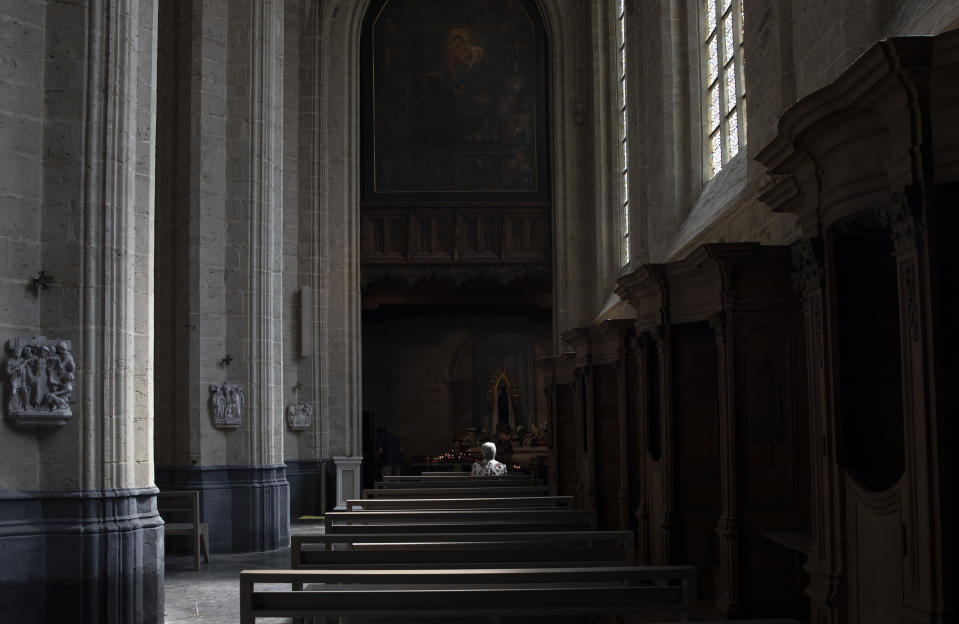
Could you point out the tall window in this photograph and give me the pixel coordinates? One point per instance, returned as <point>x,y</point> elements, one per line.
<point>725,90</point>
<point>621,26</point>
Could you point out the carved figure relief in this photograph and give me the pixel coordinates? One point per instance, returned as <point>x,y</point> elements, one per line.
<point>41,376</point>
<point>226,404</point>
<point>299,416</point>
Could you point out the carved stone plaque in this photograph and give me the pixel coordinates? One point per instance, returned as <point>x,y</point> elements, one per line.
<point>299,416</point>
<point>226,403</point>
<point>41,375</point>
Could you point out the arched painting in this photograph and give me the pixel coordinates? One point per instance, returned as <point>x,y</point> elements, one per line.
<point>455,93</point>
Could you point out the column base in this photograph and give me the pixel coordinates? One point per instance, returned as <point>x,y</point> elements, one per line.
<point>92,557</point>
<point>247,507</point>
<point>348,479</point>
<point>312,489</point>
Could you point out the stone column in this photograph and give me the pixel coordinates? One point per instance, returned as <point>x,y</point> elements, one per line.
<point>225,372</point>
<point>334,233</point>
<point>81,540</point>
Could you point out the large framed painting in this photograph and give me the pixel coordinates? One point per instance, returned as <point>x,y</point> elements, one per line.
<point>454,101</point>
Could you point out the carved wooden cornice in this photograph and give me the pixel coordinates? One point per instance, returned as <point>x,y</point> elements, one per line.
<point>881,113</point>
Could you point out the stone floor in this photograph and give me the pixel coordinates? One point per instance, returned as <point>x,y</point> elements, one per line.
<point>212,594</point>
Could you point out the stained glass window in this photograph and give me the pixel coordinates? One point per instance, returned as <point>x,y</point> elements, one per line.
<point>621,29</point>
<point>723,88</point>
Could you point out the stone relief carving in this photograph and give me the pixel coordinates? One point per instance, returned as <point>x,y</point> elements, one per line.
<point>299,416</point>
<point>226,404</point>
<point>40,377</point>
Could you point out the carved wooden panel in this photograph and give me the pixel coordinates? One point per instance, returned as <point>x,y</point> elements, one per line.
<point>431,236</point>
<point>606,419</point>
<point>526,235</point>
<point>697,450</point>
<point>567,454</point>
<point>384,236</point>
<point>770,433</point>
<point>461,234</point>
<point>658,520</point>
<point>873,521</point>
<point>479,235</point>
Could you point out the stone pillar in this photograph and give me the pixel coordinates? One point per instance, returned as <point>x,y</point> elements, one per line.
<point>347,480</point>
<point>332,135</point>
<point>80,538</point>
<point>222,426</point>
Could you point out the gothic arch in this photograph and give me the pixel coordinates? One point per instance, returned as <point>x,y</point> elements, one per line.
<point>336,60</point>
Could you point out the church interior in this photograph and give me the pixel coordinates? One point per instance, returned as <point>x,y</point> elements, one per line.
<point>684,261</point>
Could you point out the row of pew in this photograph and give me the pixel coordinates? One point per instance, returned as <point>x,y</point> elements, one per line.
<point>448,545</point>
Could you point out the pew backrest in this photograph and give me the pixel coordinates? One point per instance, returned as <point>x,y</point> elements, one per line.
<point>477,517</point>
<point>559,591</point>
<point>503,502</point>
<point>460,482</point>
<point>459,492</point>
<point>458,476</point>
<point>412,550</point>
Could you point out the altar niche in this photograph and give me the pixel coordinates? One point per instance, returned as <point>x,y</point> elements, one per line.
<point>506,401</point>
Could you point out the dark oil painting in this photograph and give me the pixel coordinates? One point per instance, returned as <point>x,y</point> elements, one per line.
<point>453,93</point>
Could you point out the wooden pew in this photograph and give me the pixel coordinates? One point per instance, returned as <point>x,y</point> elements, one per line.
<point>459,492</point>
<point>463,476</point>
<point>464,482</point>
<point>384,504</point>
<point>660,591</point>
<point>456,550</point>
<point>446,520</point>
<point>180,510</point>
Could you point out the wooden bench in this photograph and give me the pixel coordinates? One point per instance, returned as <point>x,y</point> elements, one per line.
<point>621,590</point>
<point>519,502</point>
<point>459,492</point>
<point>462,476</point>
<point>463,482</point>
<point>180,510</point>
<point>363,521</point>
<point>481,550</point>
